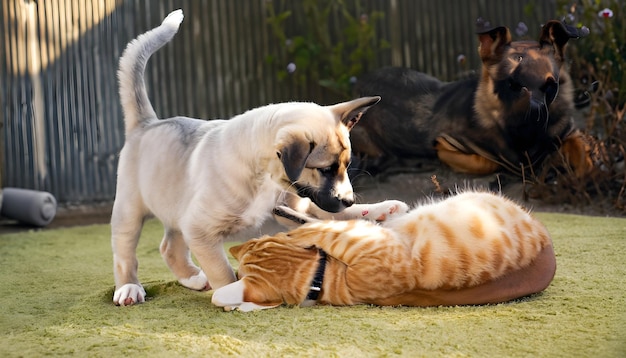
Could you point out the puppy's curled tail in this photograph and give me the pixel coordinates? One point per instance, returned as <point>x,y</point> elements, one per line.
<point>135,102</point>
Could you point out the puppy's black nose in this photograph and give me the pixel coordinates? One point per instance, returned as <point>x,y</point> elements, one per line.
<point>347,202</point>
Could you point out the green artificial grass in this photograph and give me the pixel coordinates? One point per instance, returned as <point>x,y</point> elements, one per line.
<point>56,288</point>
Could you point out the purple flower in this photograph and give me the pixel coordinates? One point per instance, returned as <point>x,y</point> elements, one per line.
<point>460,59</point>
<point>291,67</point>
<point>606,13</point>
<point>584,31</point>
<point>521,29</point>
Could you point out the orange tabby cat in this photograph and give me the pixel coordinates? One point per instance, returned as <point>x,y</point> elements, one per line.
<point>472,248</point>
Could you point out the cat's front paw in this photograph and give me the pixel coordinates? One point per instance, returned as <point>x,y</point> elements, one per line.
<point>384,210</point>
<point>290,218</point>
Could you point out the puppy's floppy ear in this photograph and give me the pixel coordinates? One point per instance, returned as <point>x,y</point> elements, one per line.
<point>349,113</point>
<point>294,155</point>
<point>554,33</point>
<point>492,42</point>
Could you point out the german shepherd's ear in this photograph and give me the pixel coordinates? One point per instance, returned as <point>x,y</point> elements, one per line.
<point>349,113</point>
<point>555,34</point>
<point>294,155</point>
<point>492,43</point>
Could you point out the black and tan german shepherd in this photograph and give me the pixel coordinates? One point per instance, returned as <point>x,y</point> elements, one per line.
<point>511,116</point>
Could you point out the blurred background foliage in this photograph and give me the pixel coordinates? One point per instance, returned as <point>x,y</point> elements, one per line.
<point>599,60</point>
<point>597,64</point>
<point>333,47</point>
<point>337,41</point>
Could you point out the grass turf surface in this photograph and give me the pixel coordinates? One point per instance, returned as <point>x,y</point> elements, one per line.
<point>56,291</point>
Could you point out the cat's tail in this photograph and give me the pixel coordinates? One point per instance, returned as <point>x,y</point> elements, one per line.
<point>133,95</point>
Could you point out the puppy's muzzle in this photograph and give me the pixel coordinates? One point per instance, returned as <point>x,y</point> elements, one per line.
<point>327,199</point>
<point>336,203</point>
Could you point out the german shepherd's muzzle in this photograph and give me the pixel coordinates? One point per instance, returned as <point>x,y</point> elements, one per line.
<point>511,116</point>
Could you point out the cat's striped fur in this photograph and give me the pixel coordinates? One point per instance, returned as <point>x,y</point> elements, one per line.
<point>472,248</point>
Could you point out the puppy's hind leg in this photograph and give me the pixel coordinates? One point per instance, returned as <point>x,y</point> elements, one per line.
<point>176,254</point>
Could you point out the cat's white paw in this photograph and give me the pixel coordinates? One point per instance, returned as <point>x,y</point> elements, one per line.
<point>230,297</point>
<point>197,282</point>
<point>384,210</point>
<point>289,217</point>
<point>129,294</point>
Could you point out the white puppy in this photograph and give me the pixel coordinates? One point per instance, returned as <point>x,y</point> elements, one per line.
<point>207,179</point>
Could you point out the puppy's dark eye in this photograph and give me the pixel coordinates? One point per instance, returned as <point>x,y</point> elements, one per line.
<point>325,171</point>
<point>330,170</point>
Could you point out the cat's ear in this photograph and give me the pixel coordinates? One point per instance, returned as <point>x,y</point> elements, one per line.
<point>238,250</point>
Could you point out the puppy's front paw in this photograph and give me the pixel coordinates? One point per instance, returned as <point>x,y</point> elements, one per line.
<point>197,282</point>
<point>385,210</point>
<point>129,294</point>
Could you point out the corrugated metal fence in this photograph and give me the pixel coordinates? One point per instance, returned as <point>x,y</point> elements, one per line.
<point>60,113</point>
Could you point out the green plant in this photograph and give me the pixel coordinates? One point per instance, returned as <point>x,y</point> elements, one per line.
<point>330,47</point>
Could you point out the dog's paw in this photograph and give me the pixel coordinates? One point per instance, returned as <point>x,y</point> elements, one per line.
<point>174,18</point>
<point>197,282</point>
<point>384,210</point>
<point>129,294</point>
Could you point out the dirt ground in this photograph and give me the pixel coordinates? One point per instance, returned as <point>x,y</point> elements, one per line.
<point>412,188</point>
